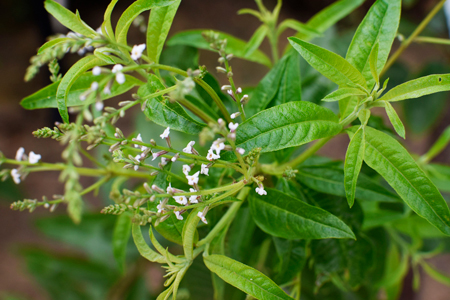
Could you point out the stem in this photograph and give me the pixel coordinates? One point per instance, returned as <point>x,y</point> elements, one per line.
<point>237,97</point>
<point>197,111</point>
<point>95,185</point>
<point>432,40</point>
<point>411,38</point>
<point>226,219</point>
<point>202,192</point>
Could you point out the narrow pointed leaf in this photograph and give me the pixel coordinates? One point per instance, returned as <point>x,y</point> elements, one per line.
<point>395,119</point>
<point>418,87</point>
<point>245,278</point>
<point>439,145</point>
<point>236,46</point>
<point>46,97</point>
<point>159,24</point>
<point>343,93</point>
<point>106,58</point>
<point>52,43</point>
<point>331,65</point>
<point>165,113</point>
<point>256,40</point>
<point>379,25</point>
<point>373,61</point>
<point>353,162</point>
<point>132,12</point>
<point>69,79</point>
<point>284,216</point>
<point>287,125</point>
<point>392,161</point>
<point>435,274</point>
<point>143,247</point>
<point>189,233</point>
<point>331,181</point>
<point>297,26</point>
<point>107,19</point>
<point>69,19</point>
<point>121,235</point>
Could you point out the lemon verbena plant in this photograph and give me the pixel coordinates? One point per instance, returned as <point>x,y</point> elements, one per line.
<point>241,189</point>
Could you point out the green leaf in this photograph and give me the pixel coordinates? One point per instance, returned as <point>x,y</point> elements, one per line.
<point>435,274</point>
<point>292,257</point>
<point>121,235</point>
<point>331,181</point>
<point>284,216</point>
<point>106,58</point>
<point>392,161</point>
<point>343,93</point>
<point>299,27</point>
<point>159,24</point>
<point>143,247</point>
<point>256,40</point>
<point>107,20</point>
<point>439,145</point>
<point>69,19</point>
<point>417,226</point>
<point>189,233</point>
<point>395,120</point>
<point>379,26</point>
<point>69,79</point>
<point>165,113</point>
<point>373,63</point>
<point>287,125</point>
<point>353,162</point>
<point>132,12</point>
<point>418,87</point>
<point>236,46</point>
<point>396,268</point>
<point>331,65</point>
<point>244,278</point>
<point>52,43</point>
<point>46,97</point>
<point>280,85</point>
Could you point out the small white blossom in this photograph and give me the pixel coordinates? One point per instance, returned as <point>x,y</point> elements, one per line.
<point>186,169</point>
<point>178,214</point>
<point>160,207</point>
<point>19,154</point>
<point>96,71</point>
<point>15,176</point>
<point>193,198</point>
<point>193,179</point>
<point>137,50</point>
<point>170,189</point>
<point>33,158</point>
<point>233,126</point>
<point>221,122</point>
<point>204,169</point>
<point>189,146</point>
<point>155,155</point>
<point>261,191</point>
<point>239,90</point>
<point>241,151</point>
<point>225,87</point>
<point>218,146</point>
<point>163,161</point>
<point>230,92</point>
<point>94,86</point>
<point>235,115</point>
<point>181,199</point>
<point>202,217</point>
<point>120,78</point>
<point>99,105</point>
<point>166,133</point>
<point>107,90</point>
<point>138,139</point>
<point>212,156</point>
<point>244,98</point>
<point>117,68</point>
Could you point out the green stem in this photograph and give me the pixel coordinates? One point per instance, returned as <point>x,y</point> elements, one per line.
<point>226,219</point>
<point>202,192</point>
<point>432,40</point>
<point>411,38</point>
<point>95,185</point>
<point>237,96</point>
<point>197,111</point>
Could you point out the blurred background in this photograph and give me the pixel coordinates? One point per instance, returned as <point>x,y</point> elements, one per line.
<point>46,256</point>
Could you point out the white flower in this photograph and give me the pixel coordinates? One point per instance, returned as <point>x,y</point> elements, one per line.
<point>235,115</point>
<point>19,154</point>
<point>218,146</point>
<point>170,189</point>
<point>160,207</point>
<point>261,191</point>
<point>193,179</point>
<point>202,217</point>
<point>181,199</point>
<point>96,71</point>
<point>211,156</point>
<point>239,90</point>
<point>204,169</point>
<point>138,139</point>
<point>230,92</point>
<point>107,90</point>
<point>178,214</point>
<point>136,167</point>
<point>193,198</point>
<point>99,105</point>
<point>137,50</point>
<point>33,158</point>
<point>155,155</point>
<point>166,133</point>
<point>94,86</point>
<point>233,126</point>
<point>138,157</point>
<point>186,169</point>
<point>221,121</point>
<point>188,148</point>
<point>225,87</point>
<point>117,68</point>
<point>15,176</point>
<point>241,151</point>
<point>120,78</point>
<point>163,161</point>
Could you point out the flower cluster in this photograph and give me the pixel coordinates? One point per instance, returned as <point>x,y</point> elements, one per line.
<point>32,158</point>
